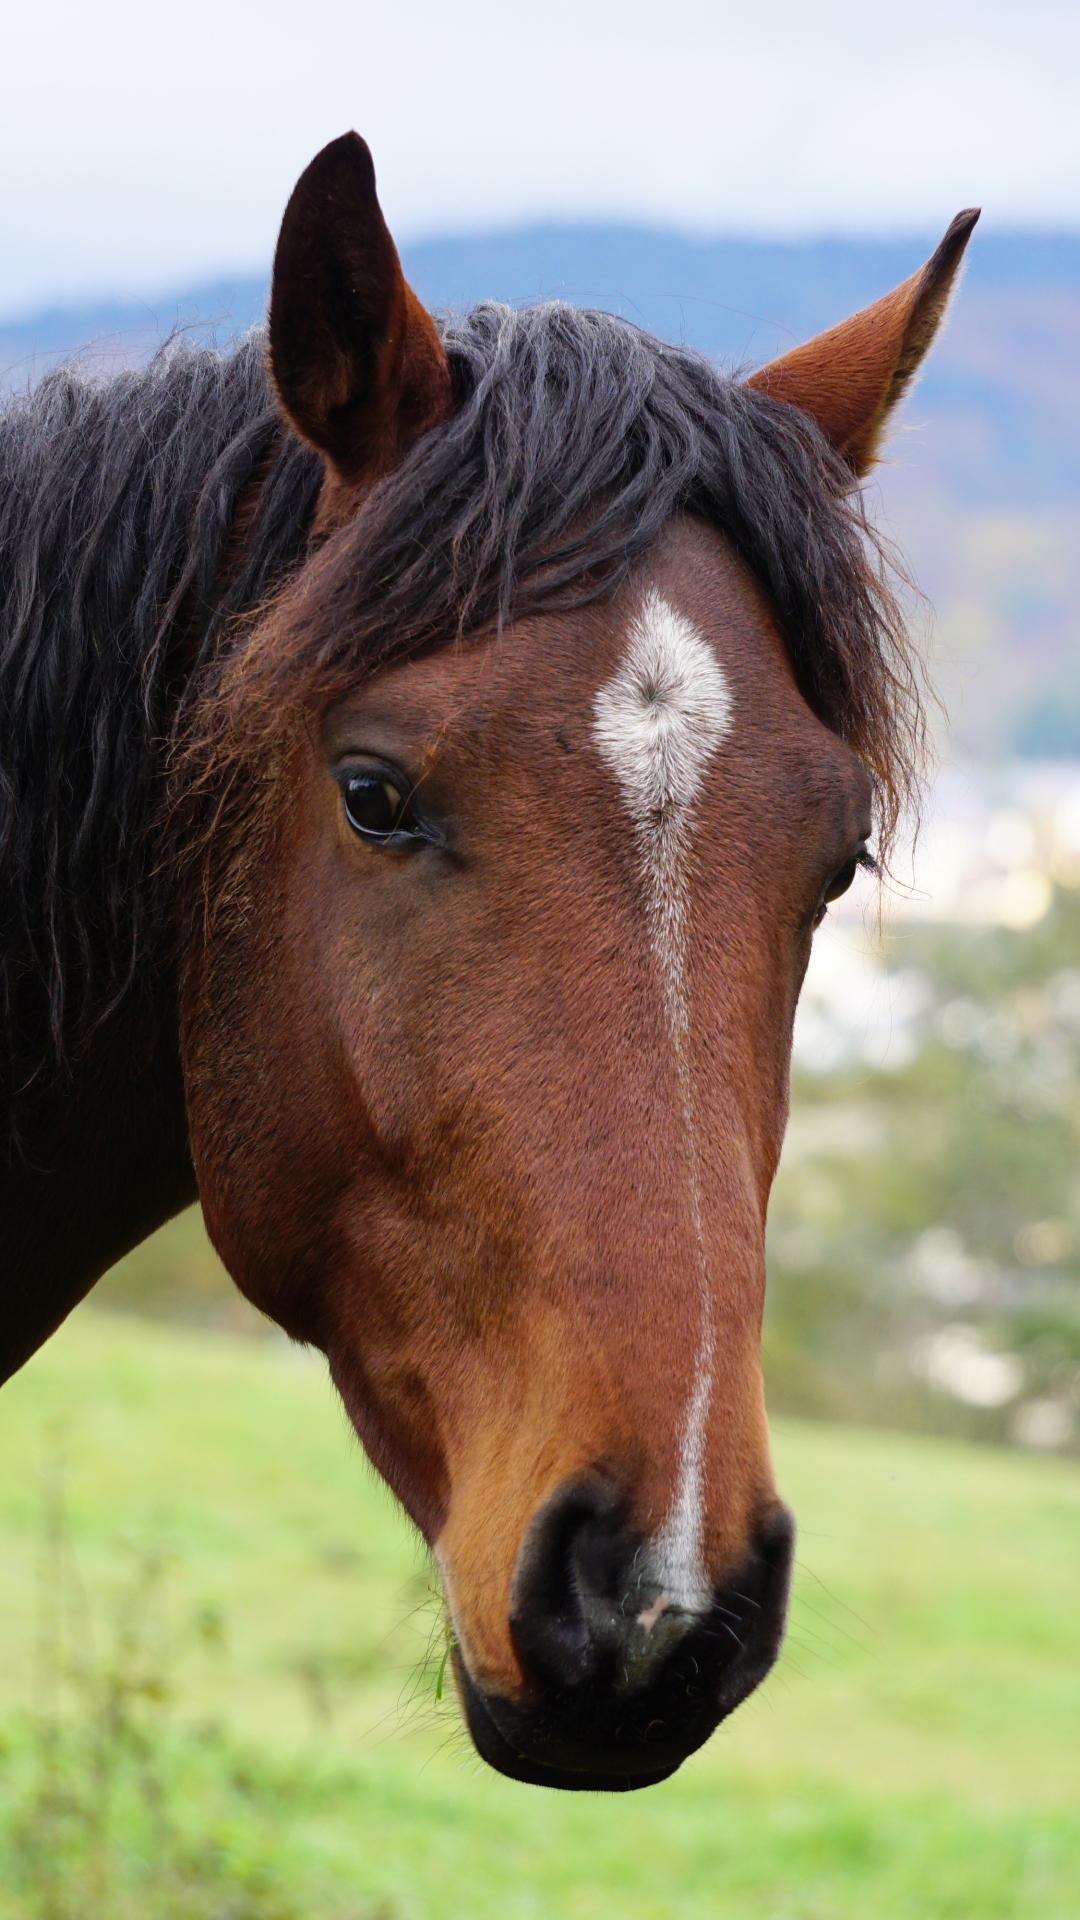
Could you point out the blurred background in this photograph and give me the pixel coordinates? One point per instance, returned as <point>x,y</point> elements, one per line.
<point>736,179</point>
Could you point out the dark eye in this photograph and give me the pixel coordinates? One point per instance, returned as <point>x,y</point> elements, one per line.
<point>376,807</point>
<point>841,881</point>
<point>843,878</point>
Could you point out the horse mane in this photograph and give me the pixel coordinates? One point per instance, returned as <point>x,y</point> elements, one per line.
<point>118,499</point>
<point>127,628</point>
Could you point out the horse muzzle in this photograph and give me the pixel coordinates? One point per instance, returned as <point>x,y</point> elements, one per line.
<point>621,1684</point>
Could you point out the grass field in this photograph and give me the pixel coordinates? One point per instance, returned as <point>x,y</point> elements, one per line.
<point>218,1661</point>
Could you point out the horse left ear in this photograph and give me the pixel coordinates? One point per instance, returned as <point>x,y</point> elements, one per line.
<point>850,378</point>
<point>357,361</point>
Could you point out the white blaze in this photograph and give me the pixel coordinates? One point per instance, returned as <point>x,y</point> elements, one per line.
<point>658,724</point>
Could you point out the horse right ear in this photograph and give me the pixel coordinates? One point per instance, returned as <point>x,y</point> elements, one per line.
<point>358,365</point>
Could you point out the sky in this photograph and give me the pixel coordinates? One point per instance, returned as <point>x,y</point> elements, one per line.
<point>147,148</point>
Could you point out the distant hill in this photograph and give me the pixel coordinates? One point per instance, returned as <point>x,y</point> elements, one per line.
<point>983,489</point>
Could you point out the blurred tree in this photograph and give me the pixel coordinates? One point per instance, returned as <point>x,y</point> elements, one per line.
<point>924,1241</point>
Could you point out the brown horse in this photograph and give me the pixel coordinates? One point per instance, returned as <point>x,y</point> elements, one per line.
<point>422,778</point>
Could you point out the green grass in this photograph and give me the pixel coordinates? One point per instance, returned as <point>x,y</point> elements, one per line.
<point>278,1751</point>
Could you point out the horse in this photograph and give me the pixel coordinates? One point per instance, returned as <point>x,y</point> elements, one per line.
<point>427,750</point>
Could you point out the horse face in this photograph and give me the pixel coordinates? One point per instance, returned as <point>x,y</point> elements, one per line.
<point>486,1045</point>
<point>487,1070</point>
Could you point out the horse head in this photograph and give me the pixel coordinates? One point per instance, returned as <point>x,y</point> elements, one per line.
<point>507,903</point>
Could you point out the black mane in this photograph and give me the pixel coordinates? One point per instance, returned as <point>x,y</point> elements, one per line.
<point>117,502</point>
<point>575,437</point>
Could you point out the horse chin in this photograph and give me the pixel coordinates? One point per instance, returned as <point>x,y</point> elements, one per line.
<point>501,1751</point>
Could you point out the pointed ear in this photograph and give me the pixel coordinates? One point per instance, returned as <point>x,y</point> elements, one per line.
<point>850,378</point>
<point>358,365</point>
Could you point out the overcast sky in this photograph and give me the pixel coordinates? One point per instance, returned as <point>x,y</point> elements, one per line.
<point>144,148</point>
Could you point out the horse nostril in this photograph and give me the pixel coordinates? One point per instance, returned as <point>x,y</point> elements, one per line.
<point>571,1560</point>
<point>572,1609</point>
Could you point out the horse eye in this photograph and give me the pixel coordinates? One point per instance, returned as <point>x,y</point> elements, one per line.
<point>373,805</point>
<point>843,878</point>
<point>841,881</point>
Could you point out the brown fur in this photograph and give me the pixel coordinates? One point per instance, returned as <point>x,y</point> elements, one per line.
<point>461,1179</point>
